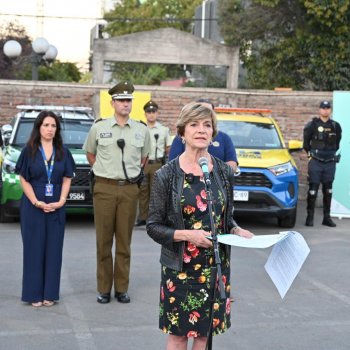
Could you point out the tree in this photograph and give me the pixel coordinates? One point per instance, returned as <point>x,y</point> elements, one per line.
<point>303,44</point>
<point>139,73</point>
<point>130,16</point>
<point>56,71</point>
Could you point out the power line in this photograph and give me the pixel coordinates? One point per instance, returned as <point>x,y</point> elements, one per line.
<point>115,19</point>
<point>52,17</point>
<point>160,19</point>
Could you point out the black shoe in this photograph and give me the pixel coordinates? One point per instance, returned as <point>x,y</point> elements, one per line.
<point>104,298</point>
<point>327,221</point>
<point>140,223</point>
<point>309,221</point>
<point>122,297</point>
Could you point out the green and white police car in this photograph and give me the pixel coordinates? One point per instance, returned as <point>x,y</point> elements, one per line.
<point>75,123</point>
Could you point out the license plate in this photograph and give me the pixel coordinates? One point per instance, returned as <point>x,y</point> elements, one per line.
<point>241,196</point>
<point>76,196</point>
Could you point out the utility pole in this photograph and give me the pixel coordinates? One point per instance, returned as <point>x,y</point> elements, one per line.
<point>39,18</point>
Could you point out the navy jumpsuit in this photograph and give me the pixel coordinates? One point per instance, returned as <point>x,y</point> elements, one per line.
<point>42,233</point>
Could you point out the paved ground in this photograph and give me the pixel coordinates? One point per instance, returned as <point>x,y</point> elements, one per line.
<point>314,315</point>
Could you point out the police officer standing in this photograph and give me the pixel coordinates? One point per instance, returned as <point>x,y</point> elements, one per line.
<point>117,149</point>
<point>322,137</point>
<point>160,145</point>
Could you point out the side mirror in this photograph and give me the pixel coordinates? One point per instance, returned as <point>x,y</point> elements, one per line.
<point>6,132</point>
<point>295,146</point>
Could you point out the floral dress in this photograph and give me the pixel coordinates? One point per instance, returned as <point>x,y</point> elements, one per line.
<point>185,295</point>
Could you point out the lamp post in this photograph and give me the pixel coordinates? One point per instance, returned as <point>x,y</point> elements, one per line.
<point>42,52</point>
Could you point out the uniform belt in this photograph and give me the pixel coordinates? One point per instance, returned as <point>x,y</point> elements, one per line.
<point>155,161</point>
<point>322,160</point>
<point>105,180</point>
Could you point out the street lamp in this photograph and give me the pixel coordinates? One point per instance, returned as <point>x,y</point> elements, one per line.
<point>42,52</point>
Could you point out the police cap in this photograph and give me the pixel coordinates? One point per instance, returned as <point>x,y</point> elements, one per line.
<point>325,104</point>
<point>150,106</point>
<point>122,91</point>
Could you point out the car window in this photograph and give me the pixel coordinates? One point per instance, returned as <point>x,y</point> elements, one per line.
<point>74,133</point>
<point>251,135</point>
<point>22,132</point>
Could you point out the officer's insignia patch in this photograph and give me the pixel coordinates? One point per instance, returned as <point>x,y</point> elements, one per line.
<point>105,135</point>
<point>216,144</point>
<point>320,129</point>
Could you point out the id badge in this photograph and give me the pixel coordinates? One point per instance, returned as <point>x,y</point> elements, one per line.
<point>49,190</point>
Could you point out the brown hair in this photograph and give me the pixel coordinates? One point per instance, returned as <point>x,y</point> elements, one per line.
<point>195,111</point>
<point>35,137</point>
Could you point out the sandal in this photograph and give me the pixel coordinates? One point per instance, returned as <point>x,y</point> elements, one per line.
<point>38,304</point>
<point>48,303</point>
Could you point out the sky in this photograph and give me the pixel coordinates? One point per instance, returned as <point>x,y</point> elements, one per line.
<point>66,24</point>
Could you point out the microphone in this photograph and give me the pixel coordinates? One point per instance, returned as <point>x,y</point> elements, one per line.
<point>203,163</point>
<point>121,143</point>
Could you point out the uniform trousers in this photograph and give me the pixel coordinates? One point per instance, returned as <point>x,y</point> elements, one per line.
<point>115,212</point>
<point>321,172</point>
<point>145,189</point>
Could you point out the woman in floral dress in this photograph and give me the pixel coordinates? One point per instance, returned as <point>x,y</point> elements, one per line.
<point>179,220</point>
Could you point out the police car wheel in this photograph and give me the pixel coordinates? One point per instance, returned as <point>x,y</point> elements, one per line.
<point>288,221</point>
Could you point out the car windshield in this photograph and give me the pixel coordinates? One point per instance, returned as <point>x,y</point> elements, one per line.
<point>73,132</point>
<point>251,135</point>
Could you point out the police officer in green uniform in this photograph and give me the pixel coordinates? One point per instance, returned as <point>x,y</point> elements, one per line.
<point>160,146</point>
<point>322,137</point>
<point>117,149</point>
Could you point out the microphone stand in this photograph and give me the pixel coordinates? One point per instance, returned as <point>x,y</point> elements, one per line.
<point>215,271</point>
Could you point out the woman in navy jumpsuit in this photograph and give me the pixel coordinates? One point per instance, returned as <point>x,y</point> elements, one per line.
<point>45,167</point>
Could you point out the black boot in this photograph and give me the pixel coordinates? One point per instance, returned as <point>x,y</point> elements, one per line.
<point>327,199</point>
<point>310,218</point>
<point>327,221</point>
<point>311,201</point>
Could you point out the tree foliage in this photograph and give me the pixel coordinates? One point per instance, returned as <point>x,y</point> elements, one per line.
<point>130,16</point>
<point>21,67</point>
<point>145,73</point>
<point>55,71</point>
<point>303,44</point>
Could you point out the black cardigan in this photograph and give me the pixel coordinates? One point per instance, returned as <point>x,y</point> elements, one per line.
<point>165,209</point>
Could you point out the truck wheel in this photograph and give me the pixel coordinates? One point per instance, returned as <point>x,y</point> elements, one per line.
<point>288,221</point>
<point>4,217</point>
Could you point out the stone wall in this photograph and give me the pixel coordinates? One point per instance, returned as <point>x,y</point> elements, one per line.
<point>291,109</point>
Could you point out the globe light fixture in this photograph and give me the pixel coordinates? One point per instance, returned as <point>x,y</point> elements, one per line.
<point>50,54</point>
<point>42,53</point>
<point>12,48</point>
<point>40,46</point>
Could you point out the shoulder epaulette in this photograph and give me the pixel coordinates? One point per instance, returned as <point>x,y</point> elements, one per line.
<point>142,122</point>
<point>97,120</point>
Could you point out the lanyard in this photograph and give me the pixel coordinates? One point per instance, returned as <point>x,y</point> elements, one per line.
<point>49,168</point>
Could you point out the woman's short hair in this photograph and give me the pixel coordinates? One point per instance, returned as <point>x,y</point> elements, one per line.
<point>195,111</point>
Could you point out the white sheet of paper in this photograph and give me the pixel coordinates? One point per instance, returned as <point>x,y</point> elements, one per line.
<point>285,261</point>
<point>261,241</point>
